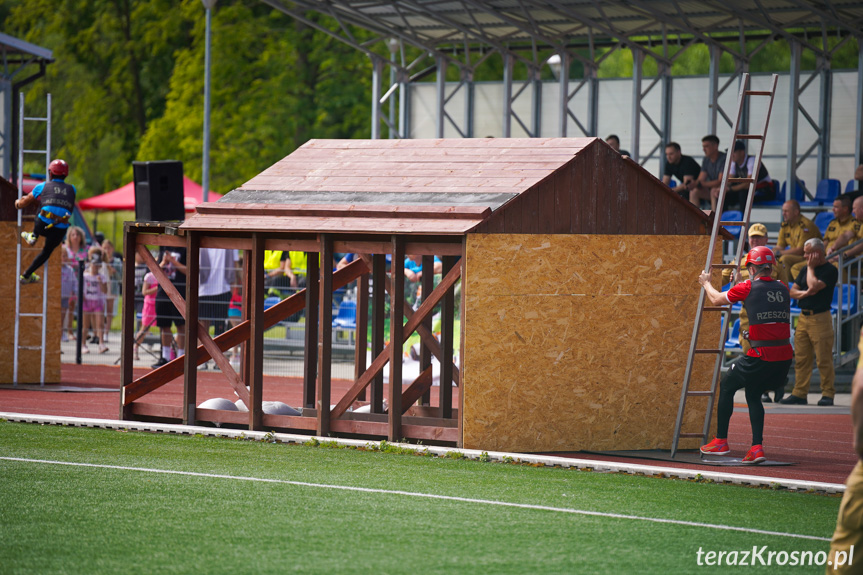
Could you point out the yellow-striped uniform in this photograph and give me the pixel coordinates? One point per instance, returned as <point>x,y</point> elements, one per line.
<point>837,228</point>
<point>793,236</point>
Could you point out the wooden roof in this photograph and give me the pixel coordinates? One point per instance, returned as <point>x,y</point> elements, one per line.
<point>448,187</point>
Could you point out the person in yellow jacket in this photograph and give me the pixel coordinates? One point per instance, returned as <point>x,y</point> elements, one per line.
<point>793,233</point>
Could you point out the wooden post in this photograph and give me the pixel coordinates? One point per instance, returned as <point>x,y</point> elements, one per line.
<point>463,263</point>
<point>310,357</point>
<point>256,339</point>
<point>190,380</point>
<point>427,287</point>
<point>128,334</point>
<point>379,291</point>
<point>325,336</point>
<point>397,314</point>
<point>361,338</point>
<point>447,336</point>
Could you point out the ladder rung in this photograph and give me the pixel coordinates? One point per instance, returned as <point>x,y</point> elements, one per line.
<point>36,152</point>
<point>30,347</point>
<point>691,435</point>
<point>723,266</point>
<point>732,223</point>
<point>717,308</point>
<point>30,314</point>
<point>758,93</point>
<point>699,393</point>
<point>709,350</point>
<point>750,137</point>
<point>37,119</point>
<point>741,180</point>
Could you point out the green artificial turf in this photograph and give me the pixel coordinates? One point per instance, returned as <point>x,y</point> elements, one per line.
<point>64,519</point>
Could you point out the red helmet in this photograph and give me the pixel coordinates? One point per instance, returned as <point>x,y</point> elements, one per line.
<point>58,168</point>
<point>762,255</point>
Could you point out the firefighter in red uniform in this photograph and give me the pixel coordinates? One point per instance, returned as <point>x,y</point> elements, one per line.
<point>765,366</point>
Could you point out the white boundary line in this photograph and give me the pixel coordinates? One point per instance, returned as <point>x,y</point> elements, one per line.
<point>420,495</point>
<point>549,460</point>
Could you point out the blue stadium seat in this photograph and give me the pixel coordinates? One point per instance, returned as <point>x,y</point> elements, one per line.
<point>672,183</point>
<point>732,216</point>
<point>848,299</point>
<point>778,199</point>
<point>851,186</point>
<point>732,342</point>
<point>271,301</point>
<point>827,191</point>
<point>798,191</point>
<point>822,220</point>
<point>346,318</point>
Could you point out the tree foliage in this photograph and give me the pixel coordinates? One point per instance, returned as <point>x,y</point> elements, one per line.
<point>128,81</point>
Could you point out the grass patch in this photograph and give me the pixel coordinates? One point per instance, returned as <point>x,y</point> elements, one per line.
<point>60,518</point>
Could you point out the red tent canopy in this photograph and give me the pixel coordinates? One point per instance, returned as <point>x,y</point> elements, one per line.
<point>124,198</point>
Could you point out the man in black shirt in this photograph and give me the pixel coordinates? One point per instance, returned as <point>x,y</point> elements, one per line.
<point>683,168</point>
<point>173,262</point>
<point>813,339</point>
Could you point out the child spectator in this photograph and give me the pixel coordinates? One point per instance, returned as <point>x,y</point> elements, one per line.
<point>149,287</point>
<point>94,293</point>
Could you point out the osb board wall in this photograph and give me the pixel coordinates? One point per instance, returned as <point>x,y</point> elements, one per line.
<point>30,331</point>
<point>580,341</point>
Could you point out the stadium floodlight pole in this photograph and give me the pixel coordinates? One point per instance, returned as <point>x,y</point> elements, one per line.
<point>205,170</point>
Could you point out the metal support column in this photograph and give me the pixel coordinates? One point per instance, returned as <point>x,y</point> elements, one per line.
<point>440,86</point>
<point>592,102</point>
<point>563,83</point>
<point>507,95</point>
<point>469,102</point>
<point>713,89</point>
<point>824,119</point>
<point>793,104</point>
<point>858,144</point>
<point>536,104</point>
<point>666,86</point>
<point>637,69</point>
<point>377,72</point>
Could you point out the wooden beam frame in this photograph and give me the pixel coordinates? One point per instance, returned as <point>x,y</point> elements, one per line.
<point>316,298</point>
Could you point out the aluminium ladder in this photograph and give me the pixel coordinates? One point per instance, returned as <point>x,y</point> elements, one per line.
<point>719,350</point>
<point>43,316</point>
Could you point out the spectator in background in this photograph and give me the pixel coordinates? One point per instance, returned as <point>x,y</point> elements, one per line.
<point>94,291</point>
<point>841,226</point>
<point>140,272</point>
<point>74,251</point>
<point>683,168</point>
<point>112,268</point>
<point>613,141</point>
<point>172,260</point>
<point>849,237</point>
<point>149,287</point>
<point>793,234</point>
<point>858,174</point>
<point>216,278</point>
<point>813,338</point>
<point>743,166</point>
<point>710,177</point>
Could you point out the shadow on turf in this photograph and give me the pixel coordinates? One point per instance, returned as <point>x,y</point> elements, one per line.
<point>693,457</point>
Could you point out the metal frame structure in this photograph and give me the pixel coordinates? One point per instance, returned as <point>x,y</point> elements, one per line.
<point>16,57</point>
<point>464,33</point>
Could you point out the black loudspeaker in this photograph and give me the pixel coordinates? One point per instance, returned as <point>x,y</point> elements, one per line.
<point>158,191</point>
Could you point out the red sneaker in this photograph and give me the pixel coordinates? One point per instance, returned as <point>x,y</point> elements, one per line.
<point>754,455</point>
<point>716,447</point>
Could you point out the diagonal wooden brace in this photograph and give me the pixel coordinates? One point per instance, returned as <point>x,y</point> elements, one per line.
<point>380,361</point>
<point>207,342</point>
<point>416,389</point>
<point>234,336</point>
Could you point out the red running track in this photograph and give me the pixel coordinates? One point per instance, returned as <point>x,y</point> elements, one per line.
<point>820,444</point>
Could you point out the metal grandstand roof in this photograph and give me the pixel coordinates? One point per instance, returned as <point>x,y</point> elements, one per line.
<point>437,25</point>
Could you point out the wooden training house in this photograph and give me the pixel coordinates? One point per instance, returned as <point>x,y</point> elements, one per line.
<point>577,292</point>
